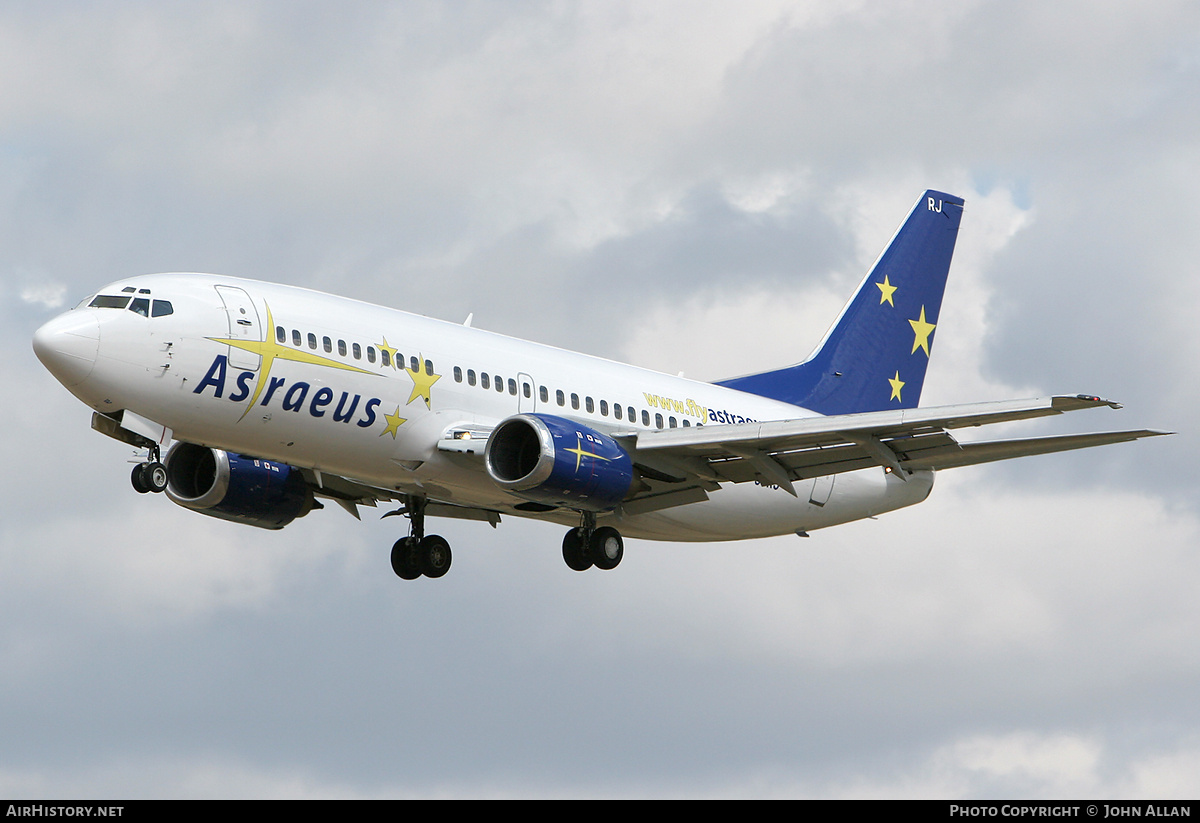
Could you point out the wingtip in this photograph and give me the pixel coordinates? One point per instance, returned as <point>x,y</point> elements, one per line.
<point>1096,400</point>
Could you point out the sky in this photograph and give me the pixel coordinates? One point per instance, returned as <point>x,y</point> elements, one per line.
<point>688,186</point>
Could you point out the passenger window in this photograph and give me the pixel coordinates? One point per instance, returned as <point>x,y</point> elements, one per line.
<point>296,337</point>
<point>543,395</point>
<point>499,383</point>
<point>658,421</point>
<point>470,377</point>
<point>312,341</point>
<point>604,407</point>
<point>528,391</point>
<point>342,348</point>
<point>327,344</point>
<point>616,410</point>
<point>140,305</point>
<point>673,423</point>
<point>574,400</point>
<point>589,405</point>
<point>645,418</point>
<point>630,412</point>
<point>457,374</point>
<point>357,352</point>
<point>412,363</point>
<point>686,423</point>
<point>280,335</point>
<point>384,357</point>
<point>484,380</point>
<point>370,354</point>
<point>560,397</point>
<point>428,367</point>
<point>161,308</point>
<point>512,387</point>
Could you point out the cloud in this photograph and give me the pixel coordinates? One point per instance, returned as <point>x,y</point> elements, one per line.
<point>49,295</point>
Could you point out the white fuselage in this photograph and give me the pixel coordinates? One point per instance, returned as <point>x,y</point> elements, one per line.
<point>366,392</point>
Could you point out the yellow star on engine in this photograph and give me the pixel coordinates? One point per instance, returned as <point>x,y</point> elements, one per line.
<point>394,421</point>
<point>423,380</point>
<point>897,385</point>
<point>887,290</point>
<point>921,332</point>
<point>391,352</point>
<point>579,451</point>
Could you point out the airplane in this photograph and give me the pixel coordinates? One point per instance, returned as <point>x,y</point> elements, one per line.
<point>255,402</point>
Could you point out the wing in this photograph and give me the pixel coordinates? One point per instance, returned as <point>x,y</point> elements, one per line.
<point>902,441</point>
<point>350,494</point>
<point>683,465</point>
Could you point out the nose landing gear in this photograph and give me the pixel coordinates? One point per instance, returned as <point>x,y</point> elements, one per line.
<point>150,476</point>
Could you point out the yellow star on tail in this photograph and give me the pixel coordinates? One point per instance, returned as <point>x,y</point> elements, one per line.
<point>394,421</point>
<point>897,385</point>
<point>423,381</point>
<point>887,290</point>
<point>921,332</point>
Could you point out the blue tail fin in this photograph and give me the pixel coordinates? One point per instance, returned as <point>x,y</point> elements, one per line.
<point>874,357</point>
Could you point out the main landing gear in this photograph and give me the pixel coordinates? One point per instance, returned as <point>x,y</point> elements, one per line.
<point>150,476</point>
<point>417,554</point>
<point>583,547</point>
<point>586,546</point>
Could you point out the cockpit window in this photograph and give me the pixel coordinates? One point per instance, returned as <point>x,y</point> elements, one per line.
<point>139,305</point>
<point>109,301</point>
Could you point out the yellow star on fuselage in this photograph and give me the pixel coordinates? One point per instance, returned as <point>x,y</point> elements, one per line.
<point>887,290</point>
<point>897,385</point>
<point>921,332</point>
<point>423,380</point>
<point>394,421</point>
<point>270,351</point>
<point>391,352</point>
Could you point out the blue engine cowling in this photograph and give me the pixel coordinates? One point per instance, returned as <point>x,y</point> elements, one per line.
<point>262,493</point>
<point>552,460</point>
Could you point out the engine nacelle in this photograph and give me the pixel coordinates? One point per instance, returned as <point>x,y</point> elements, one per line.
<point>262,493</point>
<point>555,461</point>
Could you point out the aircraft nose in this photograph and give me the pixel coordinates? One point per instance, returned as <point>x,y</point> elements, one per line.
<point>67,346</point>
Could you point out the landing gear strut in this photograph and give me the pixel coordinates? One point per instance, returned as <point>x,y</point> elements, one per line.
<point>417,554</point>
<point>150,476</point>
<point>586,546</point>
